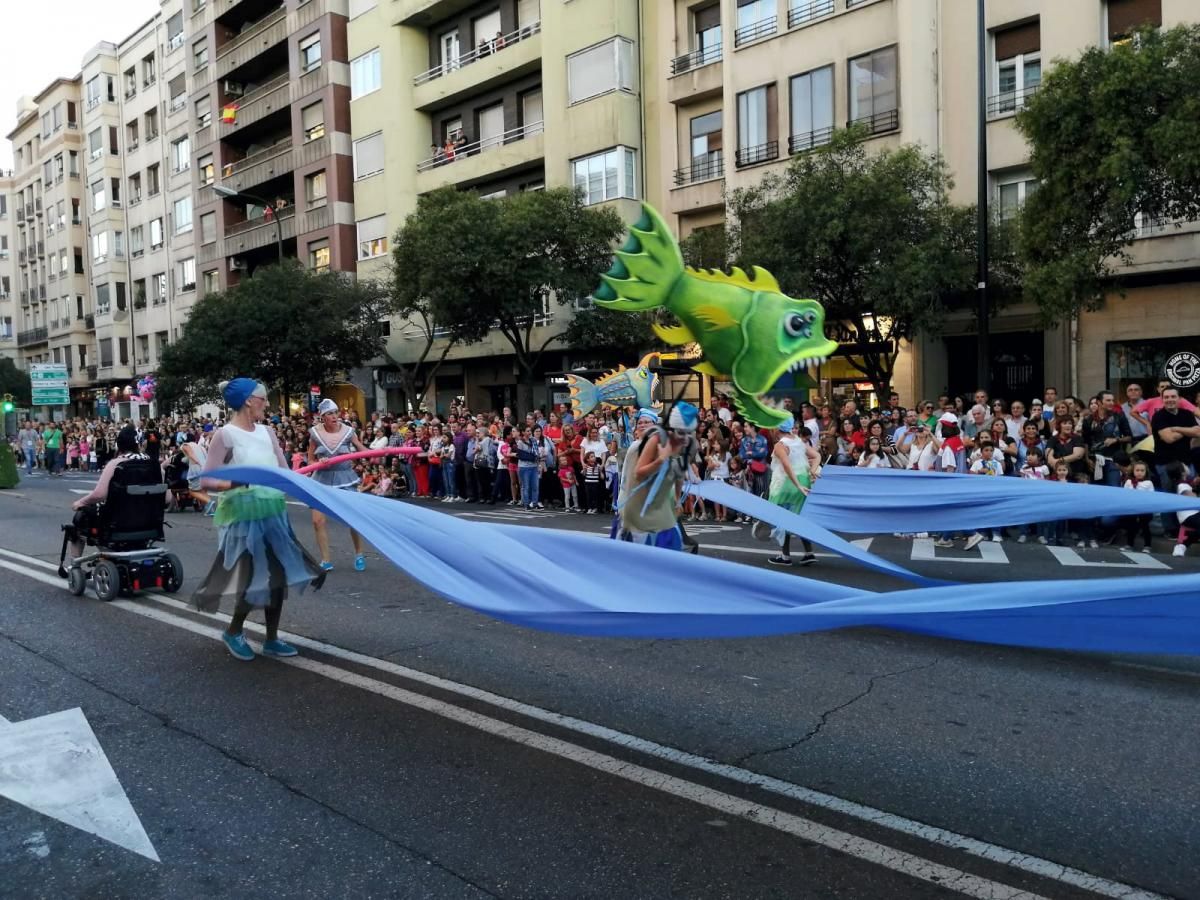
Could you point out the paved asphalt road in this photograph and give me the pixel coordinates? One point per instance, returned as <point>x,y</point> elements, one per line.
<point>420,750</point>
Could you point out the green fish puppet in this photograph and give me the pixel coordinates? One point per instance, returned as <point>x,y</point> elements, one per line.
<point>750,332</point>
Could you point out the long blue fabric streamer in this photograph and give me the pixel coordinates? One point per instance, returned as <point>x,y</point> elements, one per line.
<point>873,501</point>
<point>579,584</point>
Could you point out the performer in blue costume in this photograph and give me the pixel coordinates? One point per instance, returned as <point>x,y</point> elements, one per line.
<point>258,556</point>
<point>794,467</point>
<point>329,438</point>
<point>652,480</point>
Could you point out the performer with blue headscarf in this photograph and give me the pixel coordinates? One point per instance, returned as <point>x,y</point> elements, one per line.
<point>258,556</point>
<point>652,478</point>
<point>794,467</point>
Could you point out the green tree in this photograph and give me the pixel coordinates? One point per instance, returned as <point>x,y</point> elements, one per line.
<point>284,325</point>
<point>14,381</point>
<point>706,247</point>
<point>1112,134</point>
<point>872,237</point>
<point>503,263</point>
<point>629,335</point>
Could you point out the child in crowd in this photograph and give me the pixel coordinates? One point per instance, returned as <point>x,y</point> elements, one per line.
<point>693,505</point>
<point>1085,529</point>
<point>717,469</point>
<point>593,474</point>
<point>570,485</point>
<point>383,487</point>
<point>1037,470</point>
<point>1189,521</point>
<point>737,479</point>
<point>1056,532</point>
<point>1138,480</point>
<point>986,464</point>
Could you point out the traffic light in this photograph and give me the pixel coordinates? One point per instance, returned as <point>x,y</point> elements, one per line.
<point>8,403</point>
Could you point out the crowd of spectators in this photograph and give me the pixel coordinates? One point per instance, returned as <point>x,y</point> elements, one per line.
<point>549,459</point>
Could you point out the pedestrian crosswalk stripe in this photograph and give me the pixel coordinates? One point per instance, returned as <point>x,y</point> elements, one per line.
<point>923,550</point>
<point>1068,557</point>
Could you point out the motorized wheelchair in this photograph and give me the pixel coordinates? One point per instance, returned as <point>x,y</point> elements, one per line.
<point>123,529</point>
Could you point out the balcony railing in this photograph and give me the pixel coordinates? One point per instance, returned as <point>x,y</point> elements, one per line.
<point>261,221</point>
<point>880,122</point>
<point>475,147</point>
<point>488,48</point>
<point>32,336</point>
<point>755,31</point>
<point>749,156</point>
<point>800,14</point>
<point>696,59</point>
<point>799,143</point>
<point>177,103</point>
<point>176,40</point>
<point>701,170</point>
<point>252,32</point>
<point>1009,101</point>
<point>255,158</point>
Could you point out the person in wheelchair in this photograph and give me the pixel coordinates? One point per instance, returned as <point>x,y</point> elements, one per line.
<point>88,509</point>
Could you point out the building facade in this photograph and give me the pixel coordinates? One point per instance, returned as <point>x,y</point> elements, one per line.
<point>8,266</point>
<point>495,96</point>
<point>744,85</point>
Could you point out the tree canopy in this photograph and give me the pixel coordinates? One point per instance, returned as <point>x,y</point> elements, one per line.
<point>14,381</point>
<point>1113,134</point>
<point>872,236</point>
<point>283,325</point>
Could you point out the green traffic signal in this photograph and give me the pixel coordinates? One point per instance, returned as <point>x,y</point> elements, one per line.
<point>8,407</point>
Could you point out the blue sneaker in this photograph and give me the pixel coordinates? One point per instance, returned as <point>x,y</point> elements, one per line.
<point>360,563</point>
<point>326,566</point>
<point>278,648</point>
<point>237,646</point>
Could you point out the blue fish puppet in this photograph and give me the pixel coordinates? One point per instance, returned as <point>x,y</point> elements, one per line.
<point>625,387</point>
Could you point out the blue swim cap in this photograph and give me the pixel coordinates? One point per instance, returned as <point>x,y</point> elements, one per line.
<point>238,391</point>
<point>646,413</point>
<point>787,425</point>
<point>684,416</point>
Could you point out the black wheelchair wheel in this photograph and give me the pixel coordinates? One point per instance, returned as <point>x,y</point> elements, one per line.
<point>173,573</point>
<point>106,579</point>
<point>76,581</point>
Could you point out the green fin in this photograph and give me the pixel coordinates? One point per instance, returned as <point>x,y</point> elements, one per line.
<point>645,269</point>
<point>715,318</point>
<point>676,335</point>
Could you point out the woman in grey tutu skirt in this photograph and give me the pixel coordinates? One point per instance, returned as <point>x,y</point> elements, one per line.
<point>332,437</point>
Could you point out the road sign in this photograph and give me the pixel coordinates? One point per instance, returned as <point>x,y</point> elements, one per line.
<point>49,383</point>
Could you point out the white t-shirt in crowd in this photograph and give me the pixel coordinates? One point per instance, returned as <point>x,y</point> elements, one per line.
<point>948,459</point>
<point>814,428</point>
<point>1185,490</point>
<point>1144,485</point>
<point>724,414</point>
<point>1014,425</point>
<point>1037,472</point>
<point>925,459</point>
<point>987,467</point>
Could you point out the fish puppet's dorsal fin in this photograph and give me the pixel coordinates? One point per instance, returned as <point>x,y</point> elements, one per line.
<point>758,280</point>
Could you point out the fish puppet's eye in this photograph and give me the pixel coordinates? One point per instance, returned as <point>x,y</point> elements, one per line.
<point>797,324</point>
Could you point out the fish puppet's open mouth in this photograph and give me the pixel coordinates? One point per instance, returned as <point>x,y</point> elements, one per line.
<point>768,412</point>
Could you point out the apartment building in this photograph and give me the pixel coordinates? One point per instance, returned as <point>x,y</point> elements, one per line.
<point>495,96</point>
<point>8,266</point>
<point>269,109</point>
<point>743,85</point>
<point>52,323</point>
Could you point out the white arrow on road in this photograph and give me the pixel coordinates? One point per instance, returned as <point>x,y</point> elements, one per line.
<point>54,765</point>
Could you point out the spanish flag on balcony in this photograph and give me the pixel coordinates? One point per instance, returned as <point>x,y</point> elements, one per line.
<point>229,114</point>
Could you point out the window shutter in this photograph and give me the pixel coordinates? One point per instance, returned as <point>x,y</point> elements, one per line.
<point>368,155</point>
<point>709,17</point>
<point>372,229</point>
<point>1126,15</point>
<point>1018,39</point>
<point>312,115</point>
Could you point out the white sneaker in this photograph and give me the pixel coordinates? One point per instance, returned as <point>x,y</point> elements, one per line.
<point>1021,539</point>
<point>1042,540</point>
<point>1180,550</point>
<point>1093,545</point>
<point>997,538</point>
<point>1080,545</point>
<point>1126,549</point>
<point>1145,549</point>
<point>973,541</point>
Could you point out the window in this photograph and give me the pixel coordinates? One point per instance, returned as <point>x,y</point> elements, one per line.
<point>92,92</point>
<point>152,182</point>
<point>119,295</point>
<point>99,199</point>
<point>185,274</point>
<point>312,119</point>
<point>113,144</point>
<point>58,168</point>
<point>706,144</point>
<point>130,82</point>
<point>1124,16</point>
<point>310,52</point>
<point>205,165</point>
<point>181,154</point>
<point>175,31</point>
<point>873,94</point>
<point>106,357</point>
<point>102,302</point>
<point>115,197</point>
<point>532,116</point>
<point>812,109</point>
<point>599,70</point>
<point>1012,191</point>
<point>208,228</point>
<point>609,175</point>
<point>755,19</point>
<point>158,289</point>
<point>156,233</point>
<point>368,155</point>
<point>203,113</point>
<point>199,55</point>
<point>137,241</point>
<point>212,282</point>
<point>314,188</point>
<point>123,345</point>
<point>177,89</point>
<point>183,215</point>
<point>318,256</point>
<point>484,28</point>
<point>490,126</point>
<point>1017,71</point>
<point>46,126</point>
<point>135,189</point>
<point>131,135</point>
<point>372,237</point>
<point>148,71</point>
<point>73,160</point>
<point>528,12</point>
<point>100,246</point>
<point>95,144</point>
<point>152,124</point>
<point>365,74</point>
<point>758,137</point>
<point>118,244</point>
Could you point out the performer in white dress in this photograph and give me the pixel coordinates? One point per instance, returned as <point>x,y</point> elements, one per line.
<point>330,438</point>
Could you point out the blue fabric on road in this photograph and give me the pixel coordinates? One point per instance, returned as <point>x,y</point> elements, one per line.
<point>580,584</point>
<point>883,501</point>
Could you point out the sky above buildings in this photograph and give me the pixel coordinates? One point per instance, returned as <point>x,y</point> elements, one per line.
<point>46,39</point>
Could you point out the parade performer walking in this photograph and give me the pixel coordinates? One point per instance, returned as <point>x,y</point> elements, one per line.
<point>332,437</point>
<point>258,556</point>
<point>653,477</point>
<point>794,467</point>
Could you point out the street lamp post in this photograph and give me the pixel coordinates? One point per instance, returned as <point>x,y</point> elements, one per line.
<point>983,307</point>
<point>230,194</point>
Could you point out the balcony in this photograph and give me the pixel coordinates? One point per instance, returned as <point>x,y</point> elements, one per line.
<point>262,35</point>
<point>700,187</point>
<point>516,148</point>
<point>89,322</point>
<point>702,169</point>
<point>491,48</point>
<point>424,13</point>
<point>1009,102</point>
<point>255,233</point>
<point>260,102</point>
<point>756,31</point>
<point>800,143</point>
<point>696,59</point>
<point>802,14</point>
<point>33,336</point>
<point>258,167</point>
<point>880,122</point>
<point>449,83</point>
<point>753,156</point>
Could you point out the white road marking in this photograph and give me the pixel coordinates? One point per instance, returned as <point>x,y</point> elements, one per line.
<point>989,552</point>
<point>940,836</point>
<point>55,766</point>
<point>7,493</point>
<point>36,846</point>
<point>78,491</point>
<point>1068,557</point>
